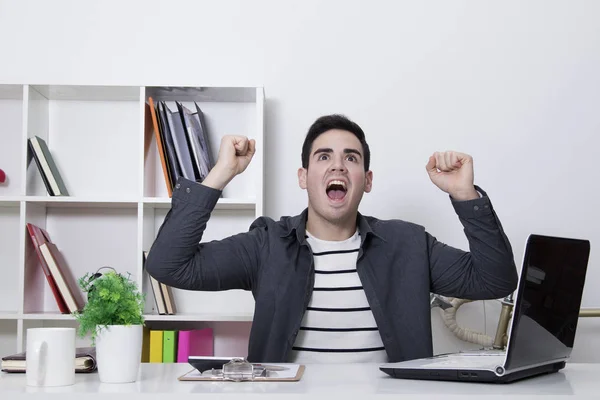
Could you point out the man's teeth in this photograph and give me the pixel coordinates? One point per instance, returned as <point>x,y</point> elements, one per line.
<point>340,183</point>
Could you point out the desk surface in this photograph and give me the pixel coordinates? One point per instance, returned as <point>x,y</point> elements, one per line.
<point>325,380</point>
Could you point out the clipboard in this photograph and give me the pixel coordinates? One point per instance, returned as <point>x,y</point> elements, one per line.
<point>290,373</point>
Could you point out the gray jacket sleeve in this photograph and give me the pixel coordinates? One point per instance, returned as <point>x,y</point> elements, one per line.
<point>178,259</point>
<point>488,270</point>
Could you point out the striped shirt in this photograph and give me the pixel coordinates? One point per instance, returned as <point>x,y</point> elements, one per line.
<point>338,325</point>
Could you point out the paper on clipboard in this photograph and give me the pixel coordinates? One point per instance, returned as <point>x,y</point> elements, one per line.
<point>289,373</point>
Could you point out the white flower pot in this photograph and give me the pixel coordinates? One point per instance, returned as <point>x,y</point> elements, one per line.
<point>119,353</point>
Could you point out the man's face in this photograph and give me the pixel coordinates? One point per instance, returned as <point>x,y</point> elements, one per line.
<point>335,178</point>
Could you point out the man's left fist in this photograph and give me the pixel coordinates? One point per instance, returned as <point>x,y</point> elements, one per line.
<point>452,172</point>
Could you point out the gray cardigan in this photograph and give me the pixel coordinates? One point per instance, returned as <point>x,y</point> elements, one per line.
<point>399,264</point>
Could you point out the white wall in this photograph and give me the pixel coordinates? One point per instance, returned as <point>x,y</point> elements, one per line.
<point>514,83</point>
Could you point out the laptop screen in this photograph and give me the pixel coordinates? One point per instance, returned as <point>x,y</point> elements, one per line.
<point>548,300</point>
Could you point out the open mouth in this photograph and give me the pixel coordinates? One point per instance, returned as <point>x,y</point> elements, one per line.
<point>336,190</point>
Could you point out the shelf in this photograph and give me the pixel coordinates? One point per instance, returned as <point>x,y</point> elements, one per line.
<point>80,202</point>
<point>102,141</point>
<point>10,201</point>
<point>11,92</point>
<point>83,202</point>
<point>9,315</point>
<point>200,317</point>
<point>46,316</point>
<point>222,204</point>
<point>88,92</point>
<point>202,94</point>
<point>52,316</point>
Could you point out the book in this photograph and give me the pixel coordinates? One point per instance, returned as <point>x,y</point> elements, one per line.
<point>182,149</point>
<point>198,138</point>
<point>204,138</point>
<point>195,342</point>
<point>145,344</point>
<point>163,295</point>
<point>169,346</point>
<point>160,143</point>
<point>167,295</point>
<point>158,295</point>
<point>38,162</point>
<point>38,237</point>
<point>171,156</point>
<point>47,167</point>
<point>156,346</point>
<point>193,141</point>
<point>85,361</point>
<point>61,274</point>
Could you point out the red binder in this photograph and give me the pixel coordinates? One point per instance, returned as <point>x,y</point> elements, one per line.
<point>39,236</point>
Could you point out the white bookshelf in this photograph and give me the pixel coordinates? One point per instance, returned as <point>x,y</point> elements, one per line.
<point>118,199</point>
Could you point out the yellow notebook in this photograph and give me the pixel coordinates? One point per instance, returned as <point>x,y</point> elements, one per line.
<point>156,346</point>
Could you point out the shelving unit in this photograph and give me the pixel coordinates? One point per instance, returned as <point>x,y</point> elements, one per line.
<point>102,140</point>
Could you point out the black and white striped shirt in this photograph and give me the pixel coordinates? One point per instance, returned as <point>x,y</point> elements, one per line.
<point>338,325</point>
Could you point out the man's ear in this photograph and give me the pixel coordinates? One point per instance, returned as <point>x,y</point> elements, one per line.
<point>368,181</point>
<point>302,178</point>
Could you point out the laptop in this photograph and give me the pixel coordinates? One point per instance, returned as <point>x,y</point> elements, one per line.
<point>542,330</point>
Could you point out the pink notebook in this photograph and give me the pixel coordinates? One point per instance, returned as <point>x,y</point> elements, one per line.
<point>196,342</point>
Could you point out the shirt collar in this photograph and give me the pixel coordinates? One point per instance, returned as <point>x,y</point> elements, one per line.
<point>297,225</point>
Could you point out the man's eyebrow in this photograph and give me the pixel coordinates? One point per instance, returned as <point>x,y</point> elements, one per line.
<point>352,151</point>
<point>330,150</point>
<point>323,150</point>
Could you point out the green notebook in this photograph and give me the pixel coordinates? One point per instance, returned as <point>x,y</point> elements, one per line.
<point>169,346</point>
<point>48,169</point>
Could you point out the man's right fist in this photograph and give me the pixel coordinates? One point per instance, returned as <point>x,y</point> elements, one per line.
<point>235,154</point>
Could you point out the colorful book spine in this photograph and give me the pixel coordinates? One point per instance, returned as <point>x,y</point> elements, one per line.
<point>156,346</point>
<point>196,342</point>
<point>169,346</point>
<point>38,237</point>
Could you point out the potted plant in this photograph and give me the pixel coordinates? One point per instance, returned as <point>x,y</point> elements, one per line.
<point>113,316</point>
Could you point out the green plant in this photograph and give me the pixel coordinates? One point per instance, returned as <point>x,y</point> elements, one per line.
<point>113,299</point>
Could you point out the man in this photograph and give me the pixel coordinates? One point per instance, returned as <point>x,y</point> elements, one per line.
<point>332,285</point>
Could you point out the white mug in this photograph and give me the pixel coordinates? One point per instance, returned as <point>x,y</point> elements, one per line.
<point>50,357</point>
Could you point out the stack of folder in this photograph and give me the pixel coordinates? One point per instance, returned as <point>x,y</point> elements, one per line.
<point>183,142</point>
<point>175,346</point>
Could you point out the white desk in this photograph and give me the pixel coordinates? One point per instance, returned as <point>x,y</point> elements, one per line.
<point>327,381</point>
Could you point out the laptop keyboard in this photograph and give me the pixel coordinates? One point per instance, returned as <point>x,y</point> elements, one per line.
<point>467,361</point>
<point>486,353</point>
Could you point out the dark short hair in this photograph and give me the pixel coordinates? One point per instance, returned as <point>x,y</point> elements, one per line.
<point>334,121</point>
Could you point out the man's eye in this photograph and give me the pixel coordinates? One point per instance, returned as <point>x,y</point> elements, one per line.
<point>323,157</point>
<point>351,158</point>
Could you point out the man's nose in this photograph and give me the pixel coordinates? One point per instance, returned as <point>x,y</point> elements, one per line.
<point>338,164</point>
